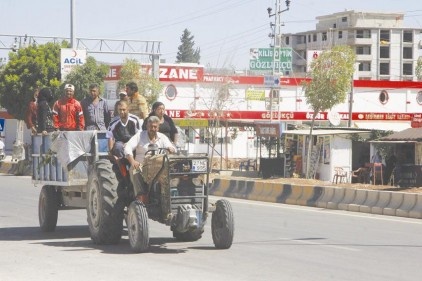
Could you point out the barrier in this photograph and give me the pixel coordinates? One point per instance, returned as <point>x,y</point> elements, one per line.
<point>327,196</point>
<point>409,201</point>
<point>383,201</point>
<point>294,195</point>
<point>348,198</point>
<point>310,196</point>
<point>267,194</point>
<point>283,193</point>
<point>257,191</point>
<point>395,203</point>
<point>371,200</point>
<point>361,195</point>
<point>337,198</point>
<point>416,212</point>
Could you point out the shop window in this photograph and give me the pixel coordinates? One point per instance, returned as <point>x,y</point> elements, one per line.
<point>171,92</point>
<point>383,97</point>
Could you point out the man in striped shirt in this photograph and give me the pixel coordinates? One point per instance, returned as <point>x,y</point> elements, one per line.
<point>96,113</point>
<point>121,129</point>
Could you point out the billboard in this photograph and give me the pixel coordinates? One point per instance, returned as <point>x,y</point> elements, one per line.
<point>69,58</point>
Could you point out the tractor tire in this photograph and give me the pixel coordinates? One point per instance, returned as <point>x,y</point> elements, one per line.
<point>105,209</point>
<point>48,208</point>
<point>222,225</point>
<point>138,229</point>
<point>188,236</point>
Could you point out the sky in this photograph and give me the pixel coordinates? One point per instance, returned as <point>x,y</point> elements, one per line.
<point>224,30</point>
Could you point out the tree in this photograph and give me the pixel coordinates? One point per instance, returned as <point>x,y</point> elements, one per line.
<point>419,69</point>
<point>186,51</point>
<point>147,84</point>
<point>220,100</point>
<point>31,67</point>
<point>332,75</point>
<point>83,75</point>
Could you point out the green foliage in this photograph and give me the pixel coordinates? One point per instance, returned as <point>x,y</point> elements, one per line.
<point>186,51</point>
<point>32,67</point>
<point>331,78</point>
<point>83,75</point>
<point>419,69</point>
<point>331,81</point>
<point>148,86</point>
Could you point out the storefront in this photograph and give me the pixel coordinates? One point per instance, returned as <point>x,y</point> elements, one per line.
<point>403,157</point>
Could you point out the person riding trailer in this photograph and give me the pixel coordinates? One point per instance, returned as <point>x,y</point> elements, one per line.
<point>140,143</point>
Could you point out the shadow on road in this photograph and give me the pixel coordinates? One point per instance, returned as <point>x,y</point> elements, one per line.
<point>76,237</point>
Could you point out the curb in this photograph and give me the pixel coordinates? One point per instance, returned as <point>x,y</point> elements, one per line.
<point>391,203</point>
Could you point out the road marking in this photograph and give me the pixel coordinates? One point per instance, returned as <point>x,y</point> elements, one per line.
<point>323,244</point>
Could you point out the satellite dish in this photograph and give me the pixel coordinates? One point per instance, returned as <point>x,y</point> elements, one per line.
<point>334,118</point>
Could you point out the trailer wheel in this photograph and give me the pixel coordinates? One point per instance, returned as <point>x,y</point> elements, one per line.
<point>188,236</point>
<point>222,225</point>
<point>105,209</point>
<point>48,208</point>
<point>138,229</point>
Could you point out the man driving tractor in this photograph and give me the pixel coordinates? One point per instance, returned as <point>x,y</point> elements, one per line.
<point>140,143</point>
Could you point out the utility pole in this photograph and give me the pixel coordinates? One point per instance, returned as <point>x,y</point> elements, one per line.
<point>72,24</point>
<point>276,44</point>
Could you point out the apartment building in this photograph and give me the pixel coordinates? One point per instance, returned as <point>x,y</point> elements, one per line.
<point>385,50</point>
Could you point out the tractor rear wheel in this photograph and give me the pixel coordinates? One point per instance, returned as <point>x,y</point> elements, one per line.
<point>105,209</point>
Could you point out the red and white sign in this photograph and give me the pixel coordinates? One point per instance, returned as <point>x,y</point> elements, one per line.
<point>290,115</point>
<point>310,57</point>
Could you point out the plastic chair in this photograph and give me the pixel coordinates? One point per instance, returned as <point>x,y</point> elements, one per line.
<point>340,175</point>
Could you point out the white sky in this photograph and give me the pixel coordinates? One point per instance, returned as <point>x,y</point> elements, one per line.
<point>224,30</point>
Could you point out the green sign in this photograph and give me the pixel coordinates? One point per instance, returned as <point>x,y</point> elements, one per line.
<point>264,59</point>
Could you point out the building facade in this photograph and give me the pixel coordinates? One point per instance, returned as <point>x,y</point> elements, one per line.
<point>385,49</point>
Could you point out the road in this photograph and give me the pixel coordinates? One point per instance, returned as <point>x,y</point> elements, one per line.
<point>272,242</point>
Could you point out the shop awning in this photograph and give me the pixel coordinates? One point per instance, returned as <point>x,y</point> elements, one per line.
<point>386,126</point>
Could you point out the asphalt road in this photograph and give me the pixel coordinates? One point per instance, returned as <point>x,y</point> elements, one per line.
<point>272,242</point>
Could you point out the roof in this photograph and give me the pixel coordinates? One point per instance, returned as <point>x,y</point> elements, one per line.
<point>410,135</point>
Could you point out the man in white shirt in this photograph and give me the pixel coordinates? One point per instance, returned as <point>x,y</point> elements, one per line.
<point>140,143</point>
